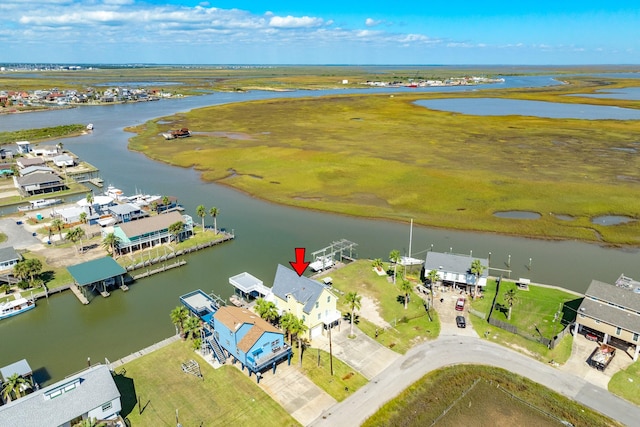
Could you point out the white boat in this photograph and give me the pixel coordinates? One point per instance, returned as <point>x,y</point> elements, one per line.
<point>322,263</point>
<point>15,307</point>
<point>90,126</point>
<point>38,204</point>
<point>114,193</point>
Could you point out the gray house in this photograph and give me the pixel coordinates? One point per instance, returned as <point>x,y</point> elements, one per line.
<point>8,258</point>
<point>455,269</point>
<point>91,393</point>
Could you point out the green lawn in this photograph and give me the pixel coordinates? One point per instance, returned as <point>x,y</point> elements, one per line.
<point>547,309</point>
<point>486,403</point>
<point>316,365</point>
<point>156,384</point>
<point>408,327</point>
<point>626,383</point>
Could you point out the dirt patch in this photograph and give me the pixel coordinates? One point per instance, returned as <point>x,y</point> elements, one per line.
<point>369,310</point>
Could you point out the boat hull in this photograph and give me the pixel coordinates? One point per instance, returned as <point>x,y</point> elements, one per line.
<point>16,312</point>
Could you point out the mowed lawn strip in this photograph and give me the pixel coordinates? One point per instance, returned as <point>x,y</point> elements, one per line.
<point>383,156</point>
<point>626,383</point>
<point>427,399</point>
<point>225,397</point>
<point>541,310</point>
<point>316,365</point>
<point>407,327</point>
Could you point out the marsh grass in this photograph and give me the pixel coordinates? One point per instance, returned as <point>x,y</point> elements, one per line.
<point>382,156</point>
<point>485,404</point>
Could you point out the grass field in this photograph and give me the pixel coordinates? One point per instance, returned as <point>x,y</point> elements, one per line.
<point>488,403</point>
<point>626,383</point>
<point>539,311</point>
<point>409,326</point>
<point>386,157</point>
<point>317,367</point>
<point>156,384</point>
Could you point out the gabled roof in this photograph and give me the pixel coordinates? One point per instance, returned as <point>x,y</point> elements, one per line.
<point>615,295</point>
<point>150,224</point>
<point>24,162</point>
<point>124,209</point>
<point>38,168</point>
<point>9,254</point>
<point>453,263</point>
<point>234,317</point>
<point>95,271</point>
<point>93,387</point>
<point>306,291</point>
<point>39,178</point>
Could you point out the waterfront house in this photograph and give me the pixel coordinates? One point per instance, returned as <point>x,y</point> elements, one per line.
<point>63,160</point>
<point>24,147</point>
<point>307,299</point>
<point>455,269</point>
<point>612,314</point>
<point>248,339</point>
<point>91,393</point>
<point>151,231</point>
<point>34,169</point>
<point>126,212</point>
<point>45,150</point>
<point>25,162</point>
<point>8,258</point>
<point>39,183</point>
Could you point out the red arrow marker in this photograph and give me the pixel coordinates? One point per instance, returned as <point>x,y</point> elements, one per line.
<point>299,265</point>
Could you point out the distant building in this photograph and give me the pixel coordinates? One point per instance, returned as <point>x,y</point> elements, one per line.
<point>612,313</point>
<point>8,258</point>
<point>24,147</point>
<point>151,231</point>
<point>91,393</point>
<point>39,183</point>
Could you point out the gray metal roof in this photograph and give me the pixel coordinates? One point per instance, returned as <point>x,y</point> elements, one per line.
<point>21,367</point>
<point>39,178</point>
<point>453,263</point>
<point>609,314</point>
<point>124,209</point>
<point>303,289</point>
<point>614,294</point>
<point>9,254</point>
<point>96,387</point>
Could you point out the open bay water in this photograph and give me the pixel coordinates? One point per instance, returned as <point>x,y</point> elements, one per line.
<point>60,334</point>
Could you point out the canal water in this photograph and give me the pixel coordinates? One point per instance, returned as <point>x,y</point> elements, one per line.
<point>60,335</point>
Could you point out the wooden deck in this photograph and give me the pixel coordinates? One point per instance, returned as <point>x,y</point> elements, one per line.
<point>78,293</point>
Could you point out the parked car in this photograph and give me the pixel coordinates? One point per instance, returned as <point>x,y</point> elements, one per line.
<point>460,304</point>
<point>461,322</point>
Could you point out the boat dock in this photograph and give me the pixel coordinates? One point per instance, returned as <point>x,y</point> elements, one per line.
<point>160,269</point>
<point>98,182</point>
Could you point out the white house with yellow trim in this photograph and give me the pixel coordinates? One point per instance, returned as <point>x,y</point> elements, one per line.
<point>307,299</point>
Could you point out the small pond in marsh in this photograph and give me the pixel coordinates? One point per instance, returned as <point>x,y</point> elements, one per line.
<point>612,219</point>
<point>517,214</point>
<point>510,107</point>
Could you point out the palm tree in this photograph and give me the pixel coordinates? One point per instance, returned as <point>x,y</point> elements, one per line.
<point>510,297</point>
<point>287,323</point>
<point>433,278</point>
<point>298,328</point>
<point>165,203</point>
<point>34,267</point>
<point>354,302</point>
<point>266,310</point>
<point>75,235</point>
<point>407,288</point>
<point>90,203</point>
<point>111,243</point>
<point>14,386</point>
<point>476,269</point>
<point>58,225</point>
<point>21,270</point>
<point>201,211</point>
<point>175,229</point>
<point>83,217</point>
<point>377,264</point>
<point>192,327</point>
<point>214,214</point>
<point>178,317</point>
<point>395,258</point>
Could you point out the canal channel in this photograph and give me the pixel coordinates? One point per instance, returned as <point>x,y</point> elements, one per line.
<point>60,335</point>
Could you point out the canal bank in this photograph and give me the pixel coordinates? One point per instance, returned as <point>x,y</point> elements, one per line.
<point>61,334</point>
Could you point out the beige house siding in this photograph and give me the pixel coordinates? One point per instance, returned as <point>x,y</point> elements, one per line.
<point>326,304</point>
<point>607,328</point>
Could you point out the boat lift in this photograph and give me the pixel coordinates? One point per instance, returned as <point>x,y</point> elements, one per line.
<point>344,249</point>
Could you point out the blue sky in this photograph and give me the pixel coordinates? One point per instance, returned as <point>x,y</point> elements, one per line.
<point>324,32</point>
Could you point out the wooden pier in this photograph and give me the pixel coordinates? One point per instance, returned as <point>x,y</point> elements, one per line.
<point>160,269</point>
<point>78,293</point>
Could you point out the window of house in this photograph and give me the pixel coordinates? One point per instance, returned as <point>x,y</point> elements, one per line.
<point>318,316</point>
<point>317,304</point>
<point>635,337</point>
<point>328,299</point>
<point>107,406</point>
<point>618,330</point>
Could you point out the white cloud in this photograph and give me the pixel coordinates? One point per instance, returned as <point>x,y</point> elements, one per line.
<point>369,22</point>
<point>294,22</point>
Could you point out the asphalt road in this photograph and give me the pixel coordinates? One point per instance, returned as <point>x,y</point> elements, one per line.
<point>453,350</point>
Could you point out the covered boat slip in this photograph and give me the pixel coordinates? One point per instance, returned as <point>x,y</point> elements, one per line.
<point>248,287</point>
<point>99,274</point>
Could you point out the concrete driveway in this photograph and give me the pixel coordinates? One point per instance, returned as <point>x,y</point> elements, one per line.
<point>362,353</point>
